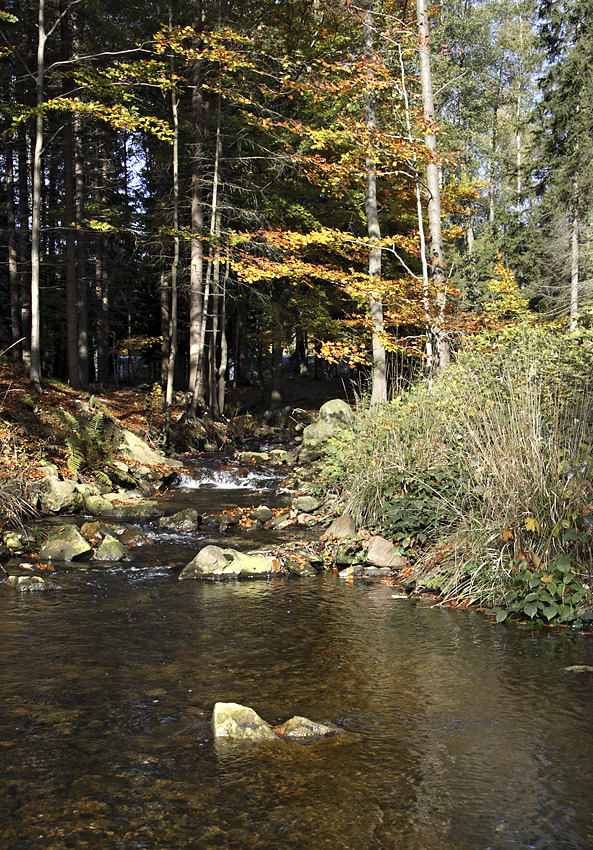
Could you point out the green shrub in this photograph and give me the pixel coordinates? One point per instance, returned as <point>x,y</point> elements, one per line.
<point>490,465</point>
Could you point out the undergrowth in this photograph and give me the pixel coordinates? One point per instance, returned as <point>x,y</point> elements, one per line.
<point>483,479</point>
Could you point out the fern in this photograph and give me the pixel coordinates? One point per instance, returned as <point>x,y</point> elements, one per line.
<point>88,447</point>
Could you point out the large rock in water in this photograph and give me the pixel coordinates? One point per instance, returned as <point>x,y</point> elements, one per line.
<point>333,416</point>
<point>231,720</point>
<point>216,563</point>
<point>65,543</point>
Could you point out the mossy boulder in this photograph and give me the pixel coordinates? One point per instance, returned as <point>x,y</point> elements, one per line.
<point>118,506</point>
<point>32,584</point>
<point>111,549</point>
<point>186,520</point>
<point>65,543</point>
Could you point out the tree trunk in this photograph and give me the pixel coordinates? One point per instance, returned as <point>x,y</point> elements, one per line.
<point>437,261</point>
<point>196,307</point>
<point>35,367</point>
<point>82,283</point>
<point>172,328</point>
<point>13,272</point>
<point>69,218</point>
<point>574,255</point>
<point>24,245</point>
<point>379,380</point>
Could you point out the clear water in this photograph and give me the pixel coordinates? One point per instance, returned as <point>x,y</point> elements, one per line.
<point>458,734</point>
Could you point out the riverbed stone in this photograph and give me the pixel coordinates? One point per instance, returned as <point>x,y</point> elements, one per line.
<point>281,521</point>
<point>65,543</point>
<point>214,562</point>
<point>231,720</point>
<point>382,553</point>
<point>139,451</point>
<point>186,520</point>
<point>119,507</point>
<point>32,584</point>
<point>58,496</point>
<point>341,528</point>
<point>302,727</point>
<point>261,514</point>
<point>306,504</point>
<point>111,549</point>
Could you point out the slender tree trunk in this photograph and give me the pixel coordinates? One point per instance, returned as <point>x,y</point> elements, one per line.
<point>24,245</point>
<point>379,381</point>
<point>172,329</point>
<point>35,367</point>
<point>13,272</point>
<point>224,350</point>
<point>437,261</point>
<point>574,255</point>
<point>165,315</point>
<point>81,266</point>
<point>196,307</point>
<point>69,218</point>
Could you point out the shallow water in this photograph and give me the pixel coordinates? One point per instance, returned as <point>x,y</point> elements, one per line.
<point>458,733</point>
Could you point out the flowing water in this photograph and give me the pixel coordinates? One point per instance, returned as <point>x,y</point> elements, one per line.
<point>458,733</point>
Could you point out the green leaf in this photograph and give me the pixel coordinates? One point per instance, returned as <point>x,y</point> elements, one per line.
<point>550,612</point>
<point>501,616</point>
<point>530,609</point>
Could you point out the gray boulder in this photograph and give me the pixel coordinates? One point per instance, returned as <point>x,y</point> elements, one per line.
<point>139,451</point>
<point>382,553</point>
<point>336,410</point>
<point>58,496</point>
<point>307,504</point>
<point>65,543</point>
<point>334,415</point>
<point>341,528</point>
<point>231,720</point>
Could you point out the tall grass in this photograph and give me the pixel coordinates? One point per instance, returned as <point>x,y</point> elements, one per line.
<point>489,465</point>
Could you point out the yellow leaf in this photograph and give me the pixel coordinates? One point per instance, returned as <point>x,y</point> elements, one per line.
<point>506,534</point>
<point>531,524</point>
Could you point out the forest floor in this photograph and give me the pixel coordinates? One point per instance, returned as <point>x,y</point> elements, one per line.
<point>29,426</point>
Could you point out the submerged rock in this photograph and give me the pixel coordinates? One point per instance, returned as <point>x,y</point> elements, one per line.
<point>302,727</point>
<point>231,720</point>
<point>214,562</point>
<point>186,520</point>
<point>32,584</point>
<point>65,543</point>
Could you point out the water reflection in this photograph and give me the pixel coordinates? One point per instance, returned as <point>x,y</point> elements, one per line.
<point>458,734</point>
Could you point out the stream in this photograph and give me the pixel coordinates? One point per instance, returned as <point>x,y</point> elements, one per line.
<point>458,734</point>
